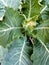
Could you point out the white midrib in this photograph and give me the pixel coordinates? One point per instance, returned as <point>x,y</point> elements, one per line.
<point>43,9</point>
<point>9,29</point>
<point>44,46</point>
<point>41,28</point>
<point>21,54</point>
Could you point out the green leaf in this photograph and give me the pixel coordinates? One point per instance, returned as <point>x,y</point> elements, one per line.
<point>10,27</point>
<point>19,53</point>
<point>41,53</point>
<point>31,9</point>
<point>43,31</point>
<point>43,28</point>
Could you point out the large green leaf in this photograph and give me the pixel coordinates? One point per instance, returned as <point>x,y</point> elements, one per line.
<point>31,8</point>
<point>19,53</point>
<point>43,28</point>
<point>10,27</point>
<point>43,31</point>
<point>41,53</point>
